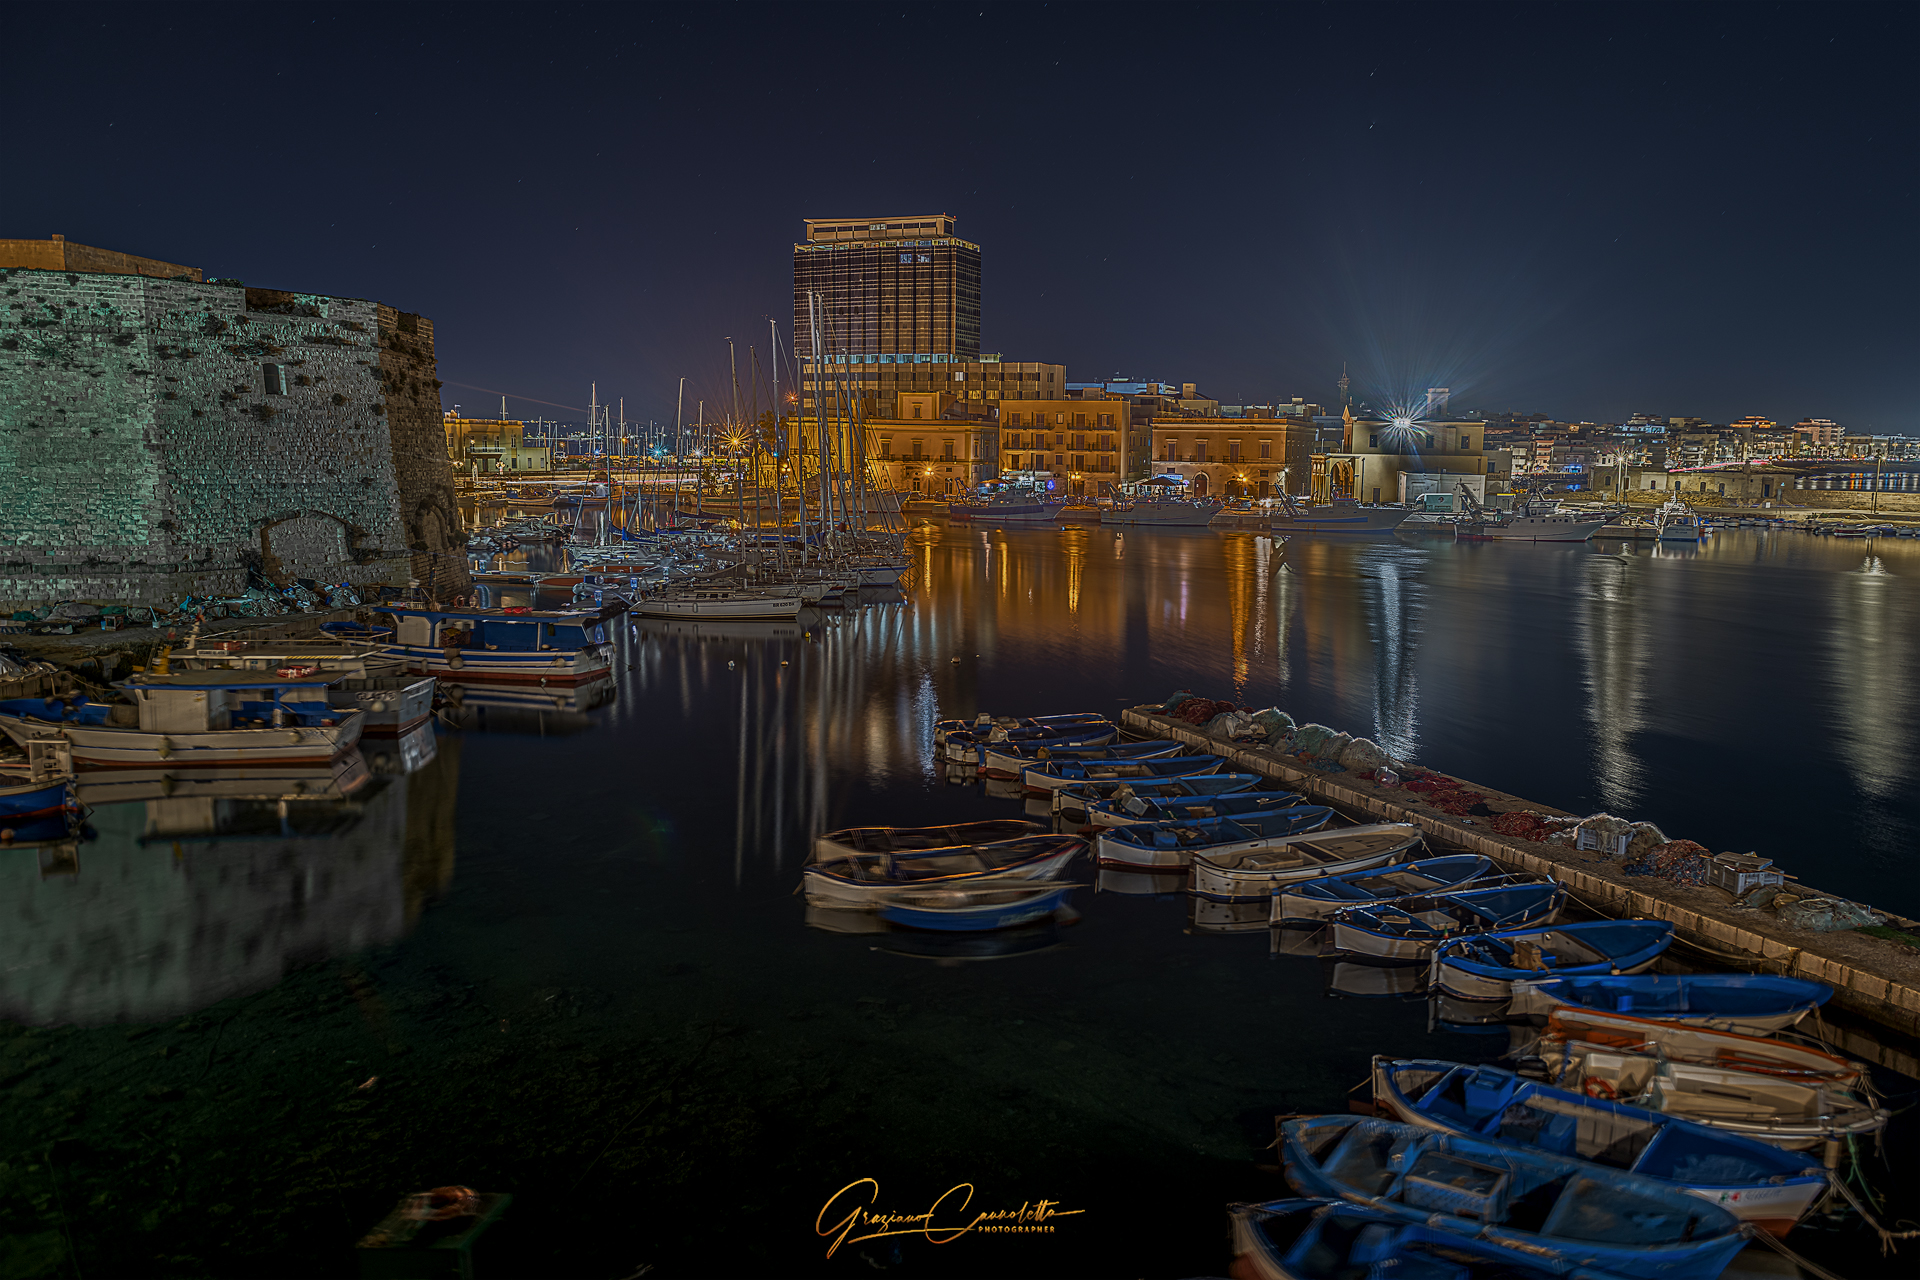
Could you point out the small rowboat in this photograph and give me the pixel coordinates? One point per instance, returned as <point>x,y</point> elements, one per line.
<point>1319,1239</point>
<point>971,748</point>
<point>1752,1003</point>
<point>985,724</point>
<point>1406,932</point>
<point>1550,1209</point>
<point>957,837</point>
<point>1070,802</point>
<point>1785,1110</point>
<point>33,798</point>
<point>973,909</point>
<point>1310,902</point>
<point>1782,1059</point>
<point>1171,845</point>
<point>1485,966</point>
<point>1137,812</point>
<point>1253,874</point>
<point>1011,759</point>
<point>862,881</point>
<point>1039,779</point>
<point>1756,1183</point>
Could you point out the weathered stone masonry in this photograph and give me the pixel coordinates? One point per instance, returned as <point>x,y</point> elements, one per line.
<point>147,453</point>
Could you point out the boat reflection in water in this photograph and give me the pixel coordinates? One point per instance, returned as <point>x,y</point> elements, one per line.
<point>558,710</point>
<point>1144,884</point>
<point>941,947</point>
<point>209,885</point>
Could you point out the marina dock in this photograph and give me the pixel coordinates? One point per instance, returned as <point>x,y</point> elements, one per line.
<point>1873,979</point>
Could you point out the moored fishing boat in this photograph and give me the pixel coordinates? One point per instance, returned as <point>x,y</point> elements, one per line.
<point>525,646</point>
<point>974,909</point>
<point>970,747</point>
<point>863,880</point>
<point>1331,1239</point>
<point>1338,517</point>
<point>194,718</point>
<point>1071,802</point>
<point>1010,759</point>
<point>1169,846</point>
<point>954,837</point>
<point>1753,1003</point>
<point>1701,1046</point>
<point>1254,873</point>
<point>721,603</point>
<point>984,723</point>
<point>362,676</point>
<point>1547,1208</point>
<point>1051,775</point>
<point>1485,966</point>
<point>1406,932</point>
<point>22,797</point>
<point>1165,513</point>
<point>1782,1110</point>
<point>1136,811</point>
<point>1310,902</point>
<point>1753,1181</point>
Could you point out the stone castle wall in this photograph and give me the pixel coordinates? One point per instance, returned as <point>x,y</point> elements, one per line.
<point>144,456</point>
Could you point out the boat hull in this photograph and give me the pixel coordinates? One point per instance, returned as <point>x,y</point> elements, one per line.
<point>824,889</point>
<point>1342,520</point>
<point>1029,907</point>
<point>391,707</point>
<point>1619,946</point>
<point>111,747</point>
<point>33,799</point>
<point>499,666</point>
<point>1126,855</point>
<point>1216,880</point>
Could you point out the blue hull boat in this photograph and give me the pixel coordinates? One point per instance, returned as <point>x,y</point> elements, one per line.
<point>1406,932</point>
<point>1310,902</point>
<point>1754,1004</point>
<point>1485,966</point>
<point>1166,846</point>
<point>971,748</point>
<point>1138,812</point>
<point>986,724</point>
<point>1071,800</point>
<point>1315,1239</point>
<point>975,910</point>
<point>1054,774</point>
<point>33,799</point>
<point>1557,1211</point>
<point>1754,1181</point>
<point>1010,759</point>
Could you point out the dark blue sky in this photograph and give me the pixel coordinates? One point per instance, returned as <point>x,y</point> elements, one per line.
<point>1583,210</point>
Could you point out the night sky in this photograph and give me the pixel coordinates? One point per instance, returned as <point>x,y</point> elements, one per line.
<point>1580,210</point>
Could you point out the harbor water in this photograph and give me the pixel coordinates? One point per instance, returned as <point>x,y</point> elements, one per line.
<point>553,948</point>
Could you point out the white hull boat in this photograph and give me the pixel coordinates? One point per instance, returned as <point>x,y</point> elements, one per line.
<point>1255,874</point>
<point>1339,518</point>
<point>718,605</point>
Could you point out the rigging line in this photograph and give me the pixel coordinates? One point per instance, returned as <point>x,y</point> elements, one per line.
<point>511,396</point>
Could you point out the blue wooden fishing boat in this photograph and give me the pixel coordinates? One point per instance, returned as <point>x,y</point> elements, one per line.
<point>1070,801</point>
<point>1406,931</point>
<point>34,797</point>
<point>984,724</point>
<point>1754,1004</point>
<point>1051,775</point>
<point>514,646</point>
<point>955,837</point>
<point>1137,811</point>
<point>1310,902</point>
<point>1322,1239</point>
<point>1556,1210</point>
<point>1167,846</point>
<point>1010,759</point>
<point>1755,1182</point>
<point>968,747</point>
<point>1485,966</point>
<point>1250,876</point>
<point>973,909</point>
<point>862,882</point>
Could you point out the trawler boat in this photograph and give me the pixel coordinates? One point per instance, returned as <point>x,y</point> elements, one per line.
<point>719,603</point>
<point>1170,513</point>
<point>192,718</point>
<point>1537,522</point>
<point>1340,516</point>
<point>1675,521</point>
<point>1004,506</point>
<point>525,646</point>
<point>363,678</point>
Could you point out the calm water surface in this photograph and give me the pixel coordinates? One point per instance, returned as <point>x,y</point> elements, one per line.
<point>557,952</point>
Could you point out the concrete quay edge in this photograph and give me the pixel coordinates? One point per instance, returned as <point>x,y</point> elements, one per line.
<point>1869,977</point>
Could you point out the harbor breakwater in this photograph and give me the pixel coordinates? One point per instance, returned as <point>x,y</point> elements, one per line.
<point>1873,978</point>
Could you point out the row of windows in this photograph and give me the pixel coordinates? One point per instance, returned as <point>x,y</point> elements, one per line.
<point>1079,419</point>
<point>1038,462</point>
<point>1104,444</point>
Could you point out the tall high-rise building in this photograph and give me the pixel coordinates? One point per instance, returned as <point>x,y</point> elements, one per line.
<point>898,298</point>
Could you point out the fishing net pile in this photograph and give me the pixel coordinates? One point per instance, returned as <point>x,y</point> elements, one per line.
<point>1196,711</point>
<point>1676,862</point>
<point>1444,794</point>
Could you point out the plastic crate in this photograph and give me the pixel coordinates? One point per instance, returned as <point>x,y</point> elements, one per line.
<point>1738,873</point>
<point>1583,838</point>
<point>1440,1183</point>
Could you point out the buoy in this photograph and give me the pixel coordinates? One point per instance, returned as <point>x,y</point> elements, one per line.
<point>730,664</point>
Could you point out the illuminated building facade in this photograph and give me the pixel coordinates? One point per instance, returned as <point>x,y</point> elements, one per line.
<point>1080,443</point>
<point>1396,460</point>
<point>477,446</point>
<point>1235,457</point>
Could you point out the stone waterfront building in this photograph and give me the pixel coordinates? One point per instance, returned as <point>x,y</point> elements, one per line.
<point>161,435</point>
